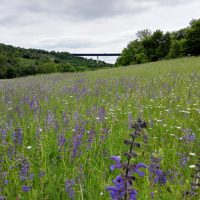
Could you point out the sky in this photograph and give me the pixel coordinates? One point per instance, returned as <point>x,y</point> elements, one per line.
<point>89,26</point>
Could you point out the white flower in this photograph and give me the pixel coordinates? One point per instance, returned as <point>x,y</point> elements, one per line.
<point>101,193</point>
<point>192,166</point>
<point>192,154</point>
<point>29,147</point>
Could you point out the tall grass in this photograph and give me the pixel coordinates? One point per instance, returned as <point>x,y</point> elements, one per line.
<point>57,132</point>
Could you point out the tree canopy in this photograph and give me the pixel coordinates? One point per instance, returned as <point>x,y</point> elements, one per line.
<point>157,45</point>
<point>16,62</point>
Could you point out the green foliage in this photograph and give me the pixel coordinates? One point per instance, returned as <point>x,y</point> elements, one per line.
<point>177,48</point>
<point>16,62</point>
<point>3,66</point>
<point>133,54</point>
<point>165,94</point>
<point>193,38</point>
<point>158,45</point>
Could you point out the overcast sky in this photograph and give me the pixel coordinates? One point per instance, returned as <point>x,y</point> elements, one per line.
<point>89,26</point>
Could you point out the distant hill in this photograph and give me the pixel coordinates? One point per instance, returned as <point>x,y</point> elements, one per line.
<point>16,62</point>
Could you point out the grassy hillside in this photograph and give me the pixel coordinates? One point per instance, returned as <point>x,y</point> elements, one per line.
<point>16,62</point>
<point>59,131</point>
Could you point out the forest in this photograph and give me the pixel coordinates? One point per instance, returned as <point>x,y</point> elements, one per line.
<point>153,46</point>
<point>17,62</point>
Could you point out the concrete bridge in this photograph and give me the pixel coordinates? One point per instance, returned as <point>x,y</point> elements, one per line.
<point>96,54</point>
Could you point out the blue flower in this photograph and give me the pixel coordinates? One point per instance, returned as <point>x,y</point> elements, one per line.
<point>137,167</point>
<point>117,192</point>
<point>133,195</point>
<point>69,186</point>
<point>26,188</point>
<point>118,164</point>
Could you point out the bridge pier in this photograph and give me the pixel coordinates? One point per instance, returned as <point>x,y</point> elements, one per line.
<point>97,59</point>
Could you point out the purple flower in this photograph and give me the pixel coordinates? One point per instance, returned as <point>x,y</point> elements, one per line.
<point>69,184</point>
<point>26,188</point>
<point>24,171</point>
<point>77,139</point>
<point>188,136</point>
<point>31,176</point>
<point>152,195</point>
<point>117,192</point>
<point>61,140</point>
<point>104,133</point>
<point>50,118</point>
<point>138,166</point>
<point>157,175</point>
<point>17,136</point>
<point>33,104</point>
<point>118,164</point>
<point>101,113</point>
<point>91,135</point>
<point>133,195</point>
<point>183,160</point>
<point>123,184</point>
<point>3,135</point>
<point>160,177</point>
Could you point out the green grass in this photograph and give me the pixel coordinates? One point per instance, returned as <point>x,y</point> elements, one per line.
<point>165,94</point>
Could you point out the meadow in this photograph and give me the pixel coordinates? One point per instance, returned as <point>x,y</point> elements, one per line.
<point>58,131</point>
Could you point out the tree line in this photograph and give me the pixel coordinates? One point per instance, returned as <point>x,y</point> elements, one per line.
<point>16,62</point>
<point>152,46</point>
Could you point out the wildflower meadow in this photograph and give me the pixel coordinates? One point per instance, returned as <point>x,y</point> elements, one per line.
<point>121,133</point>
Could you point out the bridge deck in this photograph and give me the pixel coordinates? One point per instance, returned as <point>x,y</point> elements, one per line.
<point>96,54</point>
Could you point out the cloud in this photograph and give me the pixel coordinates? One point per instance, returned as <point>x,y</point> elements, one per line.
<point>17,12</point>
<point>88,25</point>
<point>74,10</point>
